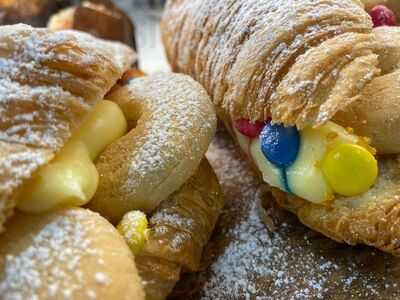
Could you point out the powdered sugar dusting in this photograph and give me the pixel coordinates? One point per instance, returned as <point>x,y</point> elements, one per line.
<point>30,84</point>
<point>50,264</point>
<point>176,126</point>
<point>241,50</point>
<point>102,278</point>
<point>291,262</point>
<point>17,162</point>
<point>182,117</point>
<point>21,62</point>
<point>41,128</point>
<point>48,82</point>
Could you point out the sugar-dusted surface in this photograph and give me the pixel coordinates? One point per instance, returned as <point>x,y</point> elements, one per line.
<point>48,82</point>
<point>175,124</point>
<point>66,254</point>
<point>179,230</point>
<point>56,250</point>
<point>181,118</point>
<point>246,261</point>
<point>245,52</point>
<point>47,78</point>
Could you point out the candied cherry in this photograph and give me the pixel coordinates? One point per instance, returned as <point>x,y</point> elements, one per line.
<point>249,129</point>
<point>382,16</point>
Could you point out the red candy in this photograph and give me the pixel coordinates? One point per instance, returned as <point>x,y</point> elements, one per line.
<point>249,129</point>
<point>382,16</point>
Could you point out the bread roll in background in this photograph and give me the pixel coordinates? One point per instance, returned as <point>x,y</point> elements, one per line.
<point>33,12</point>
<point>103,19</point>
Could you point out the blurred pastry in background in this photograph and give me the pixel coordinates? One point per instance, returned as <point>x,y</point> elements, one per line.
<point>102,19</point>
<point>33,12</point>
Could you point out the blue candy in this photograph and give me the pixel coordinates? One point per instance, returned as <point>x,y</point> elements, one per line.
<point>280,144</point>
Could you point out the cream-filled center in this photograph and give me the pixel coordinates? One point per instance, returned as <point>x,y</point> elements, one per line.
<point>329,160</point>
<point>71,178</point>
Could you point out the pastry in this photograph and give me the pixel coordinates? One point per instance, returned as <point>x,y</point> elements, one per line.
<point>102,19</point>
<point>175,123</point>
<point>80,128</point>
<point>306,89</point>
<point>158,155</point>
<point>177,232</point>
<point>244,260</point>
<point>33,12</point>
<point>67,254</point>
<point>75,253</point>
<point>50,81</point>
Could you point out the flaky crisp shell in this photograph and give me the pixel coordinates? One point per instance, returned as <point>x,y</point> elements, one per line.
<point>48,83</point>
<point>372,218</point>
<point>297,62</point>
<point>180,229</point>
<point>263,59</point>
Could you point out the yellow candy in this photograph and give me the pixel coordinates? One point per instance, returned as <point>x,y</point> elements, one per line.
<point>134,228</point>
<point>350,169</point>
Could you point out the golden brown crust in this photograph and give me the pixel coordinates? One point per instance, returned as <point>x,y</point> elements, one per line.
<point>180,229</point>
<point>49,80</point>
<point>246,49</point>
<point>175,125</point>
<point>325,79</point>
<point>72,253</point>
<point>312,84</point>
<point>375,114</point>
<point>371,219</point>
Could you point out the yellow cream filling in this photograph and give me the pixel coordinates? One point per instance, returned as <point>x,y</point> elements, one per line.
<point>71,178</point>
<point>306,177</point>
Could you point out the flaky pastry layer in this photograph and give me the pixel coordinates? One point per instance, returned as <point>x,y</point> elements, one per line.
<point>288,60</point>
<point>49,82</point>
<point>180,229</point>
<point>300,63</point>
